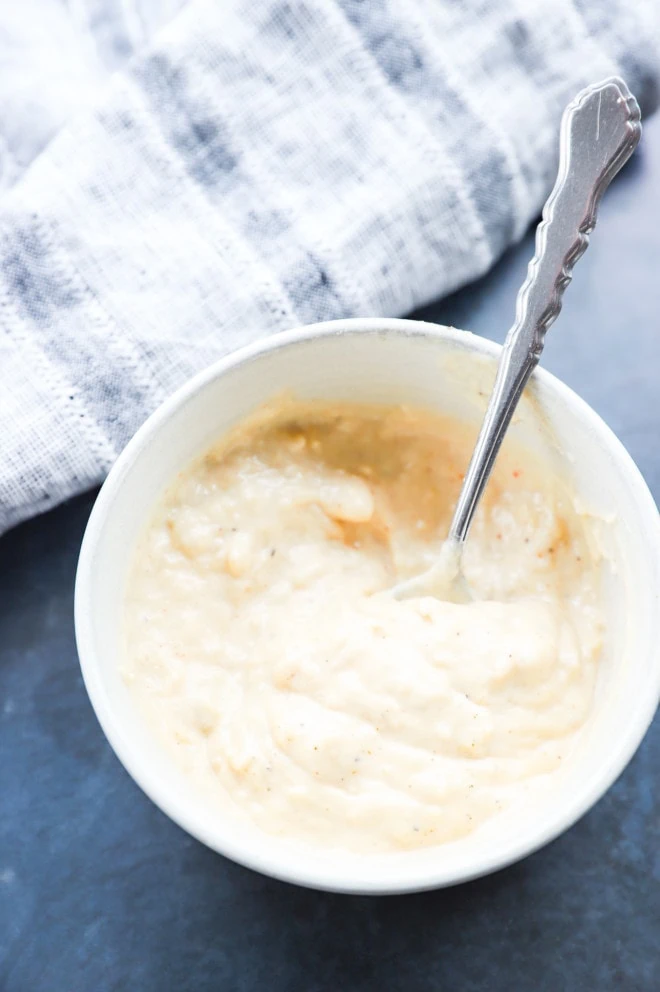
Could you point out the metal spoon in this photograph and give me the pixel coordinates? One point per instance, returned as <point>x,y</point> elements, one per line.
<point>600,130</point>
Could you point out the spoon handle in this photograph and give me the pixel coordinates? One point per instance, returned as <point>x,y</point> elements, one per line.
<point>600,130</point>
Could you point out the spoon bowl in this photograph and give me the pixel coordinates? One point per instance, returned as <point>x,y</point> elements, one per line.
<point>444,579</point>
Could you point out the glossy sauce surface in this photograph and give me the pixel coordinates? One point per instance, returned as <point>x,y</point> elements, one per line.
<point>265,652</point>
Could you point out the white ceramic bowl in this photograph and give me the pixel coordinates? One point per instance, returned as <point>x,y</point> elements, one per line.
<point>396,361</point>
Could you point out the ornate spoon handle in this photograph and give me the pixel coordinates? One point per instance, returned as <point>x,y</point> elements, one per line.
<point>600,130</point>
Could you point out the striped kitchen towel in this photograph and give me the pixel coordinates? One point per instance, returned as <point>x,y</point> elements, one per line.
<point>177,179</point>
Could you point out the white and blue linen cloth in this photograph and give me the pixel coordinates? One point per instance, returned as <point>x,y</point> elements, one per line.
<point>177,179</point>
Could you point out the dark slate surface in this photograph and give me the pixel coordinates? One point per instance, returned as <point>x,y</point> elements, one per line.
<point>99,891</point>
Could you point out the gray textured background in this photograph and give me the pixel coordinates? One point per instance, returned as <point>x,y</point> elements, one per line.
<point>99,891</point>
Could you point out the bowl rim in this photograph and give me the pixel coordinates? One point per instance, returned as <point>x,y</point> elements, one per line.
<point>246,854</point>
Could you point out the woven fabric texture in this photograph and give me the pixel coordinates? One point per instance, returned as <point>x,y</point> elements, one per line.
<point>178,179</point>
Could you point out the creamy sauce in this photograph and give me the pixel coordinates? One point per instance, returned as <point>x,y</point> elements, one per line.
<point>265,651</point>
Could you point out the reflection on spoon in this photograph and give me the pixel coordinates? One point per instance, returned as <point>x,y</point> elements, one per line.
<point>600,130</point>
